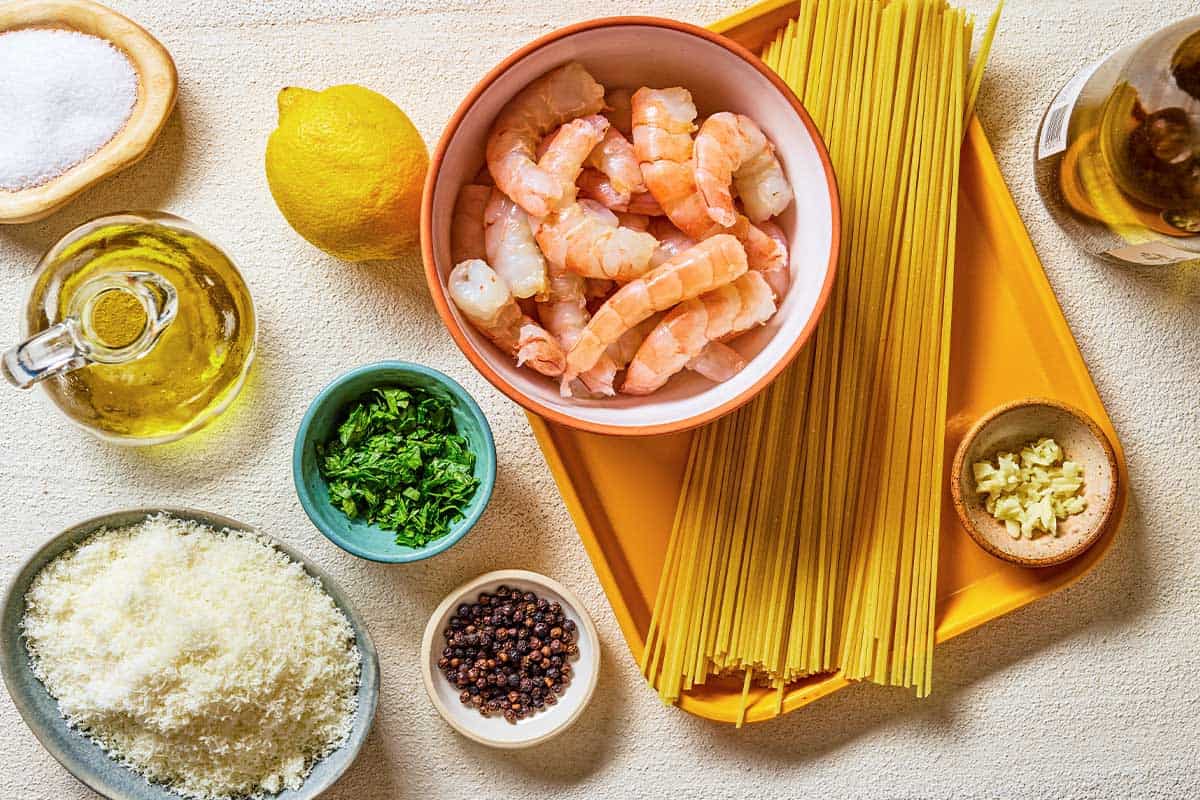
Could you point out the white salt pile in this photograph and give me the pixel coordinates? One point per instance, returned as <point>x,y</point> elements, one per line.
<point>63,96</point>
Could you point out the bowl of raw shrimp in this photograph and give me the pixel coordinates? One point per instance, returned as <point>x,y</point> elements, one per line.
<point>630,226</point>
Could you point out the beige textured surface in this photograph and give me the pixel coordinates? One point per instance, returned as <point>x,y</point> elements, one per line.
<point>1091,693</point>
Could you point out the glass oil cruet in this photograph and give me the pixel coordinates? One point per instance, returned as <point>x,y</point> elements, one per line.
<point>138,328</point>
<point>1118,152</point>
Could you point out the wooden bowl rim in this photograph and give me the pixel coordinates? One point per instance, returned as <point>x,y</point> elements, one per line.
<point>960,501</point>
<point>158,87</point>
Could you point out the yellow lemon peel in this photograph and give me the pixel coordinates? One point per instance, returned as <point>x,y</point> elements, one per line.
<point>346,167</point>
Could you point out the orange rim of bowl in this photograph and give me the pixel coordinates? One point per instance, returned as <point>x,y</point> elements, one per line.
<point>438,292</point>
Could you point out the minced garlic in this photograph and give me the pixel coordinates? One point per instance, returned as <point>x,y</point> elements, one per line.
<point>1031,491</point>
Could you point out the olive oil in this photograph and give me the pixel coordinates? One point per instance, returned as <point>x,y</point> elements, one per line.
<point>162,321</point>
<point>1118,152</point>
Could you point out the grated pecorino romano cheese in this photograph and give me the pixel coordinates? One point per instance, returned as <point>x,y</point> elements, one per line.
<point>205,660</point>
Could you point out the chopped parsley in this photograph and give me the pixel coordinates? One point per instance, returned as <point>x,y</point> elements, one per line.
<point>398,463</point>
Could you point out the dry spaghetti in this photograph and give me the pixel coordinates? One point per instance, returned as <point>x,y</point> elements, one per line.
<point>805,540</point>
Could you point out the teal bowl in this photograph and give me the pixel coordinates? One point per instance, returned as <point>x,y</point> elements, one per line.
<point>322,420</point>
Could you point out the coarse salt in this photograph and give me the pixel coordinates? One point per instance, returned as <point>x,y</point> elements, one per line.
<point>63,96</point>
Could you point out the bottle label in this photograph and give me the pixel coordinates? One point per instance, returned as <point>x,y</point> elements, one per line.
<point>1053,138</point>
<point>1152,254</point>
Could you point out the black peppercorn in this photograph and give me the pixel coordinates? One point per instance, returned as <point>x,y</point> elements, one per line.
<point>507,652</point>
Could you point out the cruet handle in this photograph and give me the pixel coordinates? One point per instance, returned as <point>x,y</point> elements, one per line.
<point>43,355</point>
<point>72,343</point>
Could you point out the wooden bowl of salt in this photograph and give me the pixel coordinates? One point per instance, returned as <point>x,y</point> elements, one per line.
<point>86,92</point>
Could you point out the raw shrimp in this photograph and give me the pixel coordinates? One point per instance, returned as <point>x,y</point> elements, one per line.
<point>600,213</point>
<point>511,249</point>
<point>614,157</point>
<point>663,122</point>
<point>674,186</point>
<point>485,300</point>
<point>595,185</point>
<point>626,346</point>
<point>564,313</point>
<point>637,222</point>
<point>588,245</point>
<point>731,150</point>
<point>618,107</point>
<point>466,227</point>
<point>687,330</point>
<point>779,275</point>
<point>565,151</point>
<point>671,240</point>
<point>718,362</point>
<point>559,96</point>
<point>598,287</point>
<point>712,263</point>
<point>644,203</point>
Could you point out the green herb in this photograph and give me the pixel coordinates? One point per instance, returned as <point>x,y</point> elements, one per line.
<point>398,462</point>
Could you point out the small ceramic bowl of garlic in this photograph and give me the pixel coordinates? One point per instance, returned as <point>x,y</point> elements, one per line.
<point>1035,482</point>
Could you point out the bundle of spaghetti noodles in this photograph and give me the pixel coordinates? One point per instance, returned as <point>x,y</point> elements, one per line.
<point>805,539</point>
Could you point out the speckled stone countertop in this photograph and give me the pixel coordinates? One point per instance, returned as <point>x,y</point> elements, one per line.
<point>1094,692</point>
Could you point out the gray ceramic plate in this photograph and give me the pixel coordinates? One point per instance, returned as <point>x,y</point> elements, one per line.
<point>83,758</point>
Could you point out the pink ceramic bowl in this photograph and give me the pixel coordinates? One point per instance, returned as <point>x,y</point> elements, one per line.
<point>722,76</point>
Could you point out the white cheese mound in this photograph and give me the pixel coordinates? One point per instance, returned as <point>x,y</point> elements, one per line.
<point>205,660</point>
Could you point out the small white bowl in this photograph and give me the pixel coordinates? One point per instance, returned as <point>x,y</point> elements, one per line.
<point>549,721</point>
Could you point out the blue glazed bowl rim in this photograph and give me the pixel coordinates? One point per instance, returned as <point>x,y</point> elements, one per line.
<point>93,771</point>
<point>483,494</point>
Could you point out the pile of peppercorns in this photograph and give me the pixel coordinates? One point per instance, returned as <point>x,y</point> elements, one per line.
<point>509,653</point>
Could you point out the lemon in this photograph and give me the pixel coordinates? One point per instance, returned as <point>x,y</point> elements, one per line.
<point>346,167</point>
